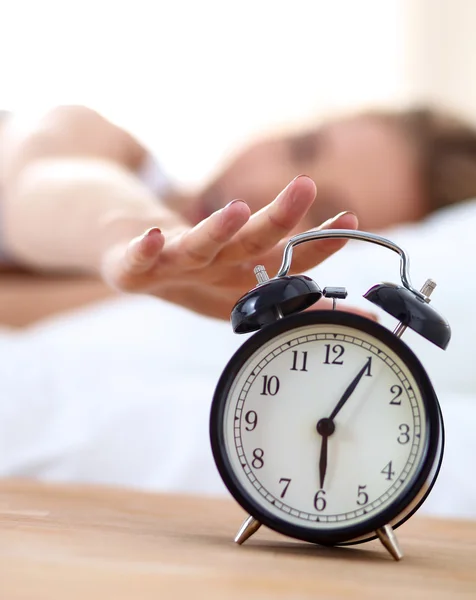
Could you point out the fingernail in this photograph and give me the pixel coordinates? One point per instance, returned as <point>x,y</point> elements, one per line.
<point>333,219</point>
<point>341,214</point>
<point>299,176</point>
<point>233,202</point>
<point>152,232</point>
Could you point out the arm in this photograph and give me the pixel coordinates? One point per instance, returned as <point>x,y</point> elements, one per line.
<point>61,213</point>
<point>71,206</point>
<point>59,172</point>
<point>67,131</point>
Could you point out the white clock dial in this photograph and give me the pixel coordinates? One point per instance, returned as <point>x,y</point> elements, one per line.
<point>292,383</point>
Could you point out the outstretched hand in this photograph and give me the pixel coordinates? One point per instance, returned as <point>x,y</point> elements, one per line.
<point>208,267</point>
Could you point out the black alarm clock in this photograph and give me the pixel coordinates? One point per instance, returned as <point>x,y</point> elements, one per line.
<point>324,425</point>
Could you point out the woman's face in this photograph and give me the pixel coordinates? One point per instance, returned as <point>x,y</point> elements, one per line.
<point>363,164</point>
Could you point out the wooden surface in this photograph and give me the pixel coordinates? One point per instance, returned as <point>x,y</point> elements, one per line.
<point>74,543</point>
<point>26,298</point>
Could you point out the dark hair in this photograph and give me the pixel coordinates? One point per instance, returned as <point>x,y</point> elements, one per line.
<point>446,147</point>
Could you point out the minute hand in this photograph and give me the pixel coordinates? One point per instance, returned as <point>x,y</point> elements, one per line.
<point>348,392</point>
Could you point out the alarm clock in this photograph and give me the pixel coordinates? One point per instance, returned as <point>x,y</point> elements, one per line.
<point>324,424</point>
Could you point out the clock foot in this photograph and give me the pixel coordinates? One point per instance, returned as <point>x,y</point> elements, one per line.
<point>247,529</point>
<point>388,538</point>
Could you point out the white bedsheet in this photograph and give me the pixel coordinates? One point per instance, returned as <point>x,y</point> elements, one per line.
<point>120,393</point>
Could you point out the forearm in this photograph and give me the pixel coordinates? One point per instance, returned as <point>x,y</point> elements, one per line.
<point>58,214</point>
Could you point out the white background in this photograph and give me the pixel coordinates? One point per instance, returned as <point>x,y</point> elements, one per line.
<point>195,78</point>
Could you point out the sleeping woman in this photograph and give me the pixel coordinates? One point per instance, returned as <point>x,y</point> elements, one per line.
<point>80,194</point>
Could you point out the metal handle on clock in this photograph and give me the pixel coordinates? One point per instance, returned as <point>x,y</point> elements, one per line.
<point>310,236</point>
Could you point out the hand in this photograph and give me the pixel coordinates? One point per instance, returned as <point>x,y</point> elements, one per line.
<point>348,392</point>
<point>209,266</point>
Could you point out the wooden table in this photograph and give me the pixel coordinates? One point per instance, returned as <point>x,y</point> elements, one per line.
<point>89,543</point>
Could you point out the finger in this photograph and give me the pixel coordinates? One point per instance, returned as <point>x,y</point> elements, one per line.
<point>143,251</point>
<point>273,222</point>
<point>199,246</point>
<point>127,266</point>
<point>305,256</point>
<point>308,255</point>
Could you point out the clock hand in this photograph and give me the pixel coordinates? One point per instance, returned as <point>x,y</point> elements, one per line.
<point>325,427</point>
<point>323,460</point>
<point>348,392</point>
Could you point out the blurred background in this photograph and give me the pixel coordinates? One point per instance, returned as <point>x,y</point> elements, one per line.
<point>194,79</point>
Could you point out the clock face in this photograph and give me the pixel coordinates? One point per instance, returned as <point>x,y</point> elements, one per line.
<point>325,425</point>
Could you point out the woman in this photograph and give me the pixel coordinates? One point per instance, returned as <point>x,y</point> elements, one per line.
<point>73,200</point>
<point>78,196</point>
